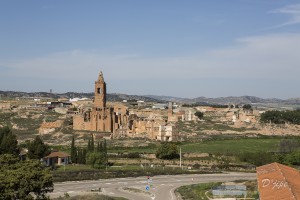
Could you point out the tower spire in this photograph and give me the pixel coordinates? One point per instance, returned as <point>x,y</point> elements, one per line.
<point>100,77</point>
<point>100,92</point>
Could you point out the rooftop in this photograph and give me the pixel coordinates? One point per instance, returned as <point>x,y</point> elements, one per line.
<point>277,181</point>
<point>57,154</point>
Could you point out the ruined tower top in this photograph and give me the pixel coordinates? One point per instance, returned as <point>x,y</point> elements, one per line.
<point>100,92</point>
<point>100,77</point>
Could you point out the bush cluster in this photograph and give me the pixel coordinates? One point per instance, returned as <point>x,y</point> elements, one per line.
<point>281,117</point>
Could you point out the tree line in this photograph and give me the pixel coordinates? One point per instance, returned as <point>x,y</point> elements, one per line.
<point>20,179</point>
<point>205,104</point>
<point>281,117</point>
<point>96,156</point>
<point>288,153</point>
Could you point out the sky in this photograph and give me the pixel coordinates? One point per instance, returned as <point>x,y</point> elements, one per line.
<point>182,48</point>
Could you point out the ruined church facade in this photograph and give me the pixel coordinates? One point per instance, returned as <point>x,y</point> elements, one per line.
<point>99,118</point>
<point>117,120</point>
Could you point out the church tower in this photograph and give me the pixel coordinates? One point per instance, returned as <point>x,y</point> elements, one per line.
<point>100,92</point>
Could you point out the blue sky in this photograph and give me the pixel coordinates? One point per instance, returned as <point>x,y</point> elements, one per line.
<point>178,48</point>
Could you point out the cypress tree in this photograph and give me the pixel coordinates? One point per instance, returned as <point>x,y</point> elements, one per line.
<point>105,152</point>
<point>105,147</point>
<point>80,156</point>
<point>73,151</point>
<point>37,149</point>
<point>92,143</point>
<point>101,147</point>
<point>89,145</point>
<point>98,147</point>
<point>8,141</point>
<point>84,156</point>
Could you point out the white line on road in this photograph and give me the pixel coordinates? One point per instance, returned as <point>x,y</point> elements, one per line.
<point>122,183</point>
<point>172,192</point>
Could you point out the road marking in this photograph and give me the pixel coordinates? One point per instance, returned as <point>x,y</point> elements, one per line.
<point>172,193</point>
<point>108,183</point>
<point>122,183</point>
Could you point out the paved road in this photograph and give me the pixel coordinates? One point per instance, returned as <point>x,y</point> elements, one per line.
<point>162,186</point>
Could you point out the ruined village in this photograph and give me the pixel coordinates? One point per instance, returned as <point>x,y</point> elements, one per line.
<point>211,137</point>
<point>55,120</point>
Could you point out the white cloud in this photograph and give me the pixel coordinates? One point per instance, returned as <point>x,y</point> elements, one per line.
<point>269,57</point>
<point>293,11</point>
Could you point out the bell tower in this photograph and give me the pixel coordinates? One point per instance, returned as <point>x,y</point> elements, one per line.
<point>100,92</point>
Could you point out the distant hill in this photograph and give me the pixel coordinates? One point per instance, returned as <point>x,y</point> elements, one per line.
<point>110,97</point>
<point>228,100</point>
<point>155,98</point>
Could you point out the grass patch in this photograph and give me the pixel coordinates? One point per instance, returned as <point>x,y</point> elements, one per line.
<point>216,146</point>
<point>71,168</point>
<point>196,191</point>
<point>85,172</point>
<point>151,148</point>
<point>232,146</point>
<point>89,197</point>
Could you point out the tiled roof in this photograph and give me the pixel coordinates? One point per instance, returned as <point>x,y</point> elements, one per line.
<point>277,181</point>
<point>57,154</point>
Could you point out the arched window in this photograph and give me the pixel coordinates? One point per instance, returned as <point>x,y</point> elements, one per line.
<point>99,90</point>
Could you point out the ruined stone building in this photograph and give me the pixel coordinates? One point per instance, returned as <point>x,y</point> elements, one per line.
<point>99,117</point>
<point>117,119</point>
<point>167,133</point>
<point>171,116</point>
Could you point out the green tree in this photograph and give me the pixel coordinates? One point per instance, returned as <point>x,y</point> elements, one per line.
<point>292,158</point>
<point>167,151</point>
<point>98,146</point>
<point>281,117</point>
<point>92,143</point>
<point>105,152</point>
<point>84,154</point>
<point>8,142</point>
<point>89,145</point>
<point>256,158</point>
<point>199,114</point>
<point>101,147</point>
<point>96,160</point>
<point>247,107</point>
<point>73,151</point>
<point>37,149</point>
<point>288,145</point>
<point>21,179</point>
